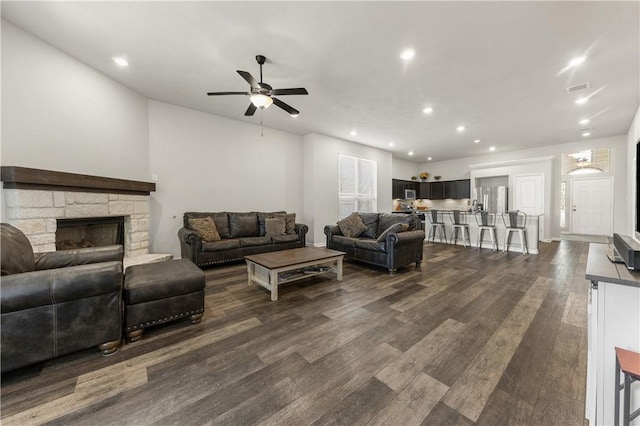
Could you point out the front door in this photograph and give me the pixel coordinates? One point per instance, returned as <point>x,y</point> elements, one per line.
<point>591,206</point>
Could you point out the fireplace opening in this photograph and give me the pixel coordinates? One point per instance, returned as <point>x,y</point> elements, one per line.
<point>89,232</point>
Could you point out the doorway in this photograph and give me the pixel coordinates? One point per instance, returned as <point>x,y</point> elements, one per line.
<point>592,206</point>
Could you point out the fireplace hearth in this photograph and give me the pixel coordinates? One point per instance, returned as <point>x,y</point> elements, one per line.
<point>89,232</point>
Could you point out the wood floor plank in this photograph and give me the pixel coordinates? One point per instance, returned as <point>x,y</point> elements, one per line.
<point>472,390</point>
<point>413,404</point>
<point>326,392</point>
<point>400,373</point>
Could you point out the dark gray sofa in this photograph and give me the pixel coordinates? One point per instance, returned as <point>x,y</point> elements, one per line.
<point>242,234</point>
<point>58,302</point>
<point>396,249</point>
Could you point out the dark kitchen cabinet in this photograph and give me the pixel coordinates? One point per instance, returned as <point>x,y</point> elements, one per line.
<point>450,189</point>
<point>424,191</point>
<point>463,188</point>
<point>398,186</point>
<point>437,190</point>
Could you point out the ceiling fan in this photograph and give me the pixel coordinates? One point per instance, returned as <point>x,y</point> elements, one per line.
<point>262,94</point>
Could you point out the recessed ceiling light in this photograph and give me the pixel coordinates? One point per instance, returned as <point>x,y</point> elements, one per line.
<point>353,133</point>
<point>585,134</point>
<point>576,61</point>
<point>427,110</point>
<point>294,115</point>
<point>390,143</point>
<point>584,121</point>
<point>476,141</point>
<point>460,128</point>
<point>120,61</point>
<point>492,148</point>
<point>429,159</point>
<point>410,152</point>
<point>580,101</point>
<point>407,54</point>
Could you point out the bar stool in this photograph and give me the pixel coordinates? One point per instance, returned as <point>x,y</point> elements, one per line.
<point>436,225</point>
<point>515,221</point>
<point>629,363</point>
<point>459,223</point>
<point>487,222</point>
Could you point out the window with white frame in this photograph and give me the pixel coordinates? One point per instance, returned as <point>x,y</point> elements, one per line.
<point>358,186</point>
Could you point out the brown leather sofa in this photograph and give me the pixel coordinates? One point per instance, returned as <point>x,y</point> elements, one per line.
<point>58,302</point>
<point>390,249</point>
<point>242,234</point>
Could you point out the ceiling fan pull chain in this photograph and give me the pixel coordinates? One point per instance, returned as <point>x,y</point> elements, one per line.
<point>261,126</point>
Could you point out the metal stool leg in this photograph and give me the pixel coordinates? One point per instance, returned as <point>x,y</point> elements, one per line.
<point>480,235</point>
<point>616,416</point>
<point>494,238</point>
<point>522,241</point>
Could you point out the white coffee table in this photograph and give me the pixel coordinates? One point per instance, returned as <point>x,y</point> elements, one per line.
<point>265,269</point>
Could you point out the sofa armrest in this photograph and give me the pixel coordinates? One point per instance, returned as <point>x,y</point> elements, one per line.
<point>330,231</point>
<point>83,256</point>
<point>302,229</point>
<point>190,244</point>
<point>52,286</point>
<point>406,237</point>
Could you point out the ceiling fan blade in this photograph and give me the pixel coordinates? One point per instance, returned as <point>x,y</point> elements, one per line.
<point>227,93</point>
<point>249,78</point>
<point>249,112</point>
<point>296,91</point>
<point>285,107</point>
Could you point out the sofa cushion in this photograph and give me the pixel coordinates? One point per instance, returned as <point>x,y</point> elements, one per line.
<point>222,224</point>
<point>371,220</point>
<point>243,225</point>
<point>396,227</point>
<point>221,245</point>
<point>290,222</point>
<point>16,251</point>
<point>261,218</point>
<point>385,220</point>
<point>274,226</point>
<point>370,244</point>
<point>254,241</point>
<point>345,241</point>
<point>206,227</point>
<point>278,239</point>
<point>352,225</point>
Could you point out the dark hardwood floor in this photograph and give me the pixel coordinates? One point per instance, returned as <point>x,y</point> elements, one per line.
<point>475,337</point>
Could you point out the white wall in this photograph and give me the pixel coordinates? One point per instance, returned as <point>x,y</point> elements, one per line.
<point>209,163</point>
<point>402,169</point>
<point>321,180</point>
<point>60,114</point>
<point>633,136</point>
<point>459,169</point>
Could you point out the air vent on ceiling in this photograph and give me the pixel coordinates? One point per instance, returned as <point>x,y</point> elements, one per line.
<point>578,88</point>
<point>584,129</point>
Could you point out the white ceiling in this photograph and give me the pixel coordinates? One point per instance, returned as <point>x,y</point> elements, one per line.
<point>494,67</point>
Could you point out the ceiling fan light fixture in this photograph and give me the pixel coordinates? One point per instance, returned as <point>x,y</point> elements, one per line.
<point>260,100</point>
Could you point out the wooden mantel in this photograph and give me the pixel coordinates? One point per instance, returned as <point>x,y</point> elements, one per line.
<point>48,180</point>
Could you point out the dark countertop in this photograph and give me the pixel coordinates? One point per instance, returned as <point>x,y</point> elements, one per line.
<point>601,269</point>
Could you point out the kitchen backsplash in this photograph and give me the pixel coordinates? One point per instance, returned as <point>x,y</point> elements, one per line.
<point>461,204</point>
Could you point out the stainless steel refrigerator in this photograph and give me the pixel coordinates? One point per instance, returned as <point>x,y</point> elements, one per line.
<point>494,199</point>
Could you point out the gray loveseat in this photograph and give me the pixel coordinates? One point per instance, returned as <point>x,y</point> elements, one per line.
<point>380,244</point>
<point>58,302</point>
<point>241,234</point>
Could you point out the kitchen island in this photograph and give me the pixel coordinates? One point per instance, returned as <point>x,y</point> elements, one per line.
<point>532,231</point>
<point>613,320</point>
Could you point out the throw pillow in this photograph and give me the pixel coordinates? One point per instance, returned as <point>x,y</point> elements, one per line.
<point>274,227</point>
<point>262,216</point>
<point>206,227</point>
<point>352,225</point>
<point>396,227</point>
<point>289,221</point>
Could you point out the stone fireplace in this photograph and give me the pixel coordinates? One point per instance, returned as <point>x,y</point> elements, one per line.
<point>36,199</point>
